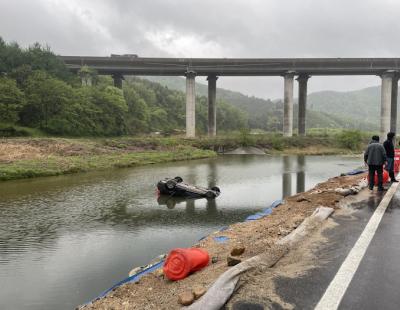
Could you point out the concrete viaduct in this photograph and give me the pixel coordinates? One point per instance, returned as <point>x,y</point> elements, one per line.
<point>289,68</point>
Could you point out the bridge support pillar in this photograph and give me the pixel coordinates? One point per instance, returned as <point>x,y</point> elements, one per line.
<point>86,81</point>
<point>386,100</point>
<point>212,106</point>
<point>118,80</point>
<point>302,79</point>
<point>393,110</point>
<point>288,105</point>
<point>190,104</point>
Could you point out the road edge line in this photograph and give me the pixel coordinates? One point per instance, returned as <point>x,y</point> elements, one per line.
<point>339,284</point>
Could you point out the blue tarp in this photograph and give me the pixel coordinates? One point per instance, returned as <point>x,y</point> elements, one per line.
<point>133,278</point>
<point>264,212</point>
<point>276,203</point>
<point>221,239</point>
<point>354,172</point>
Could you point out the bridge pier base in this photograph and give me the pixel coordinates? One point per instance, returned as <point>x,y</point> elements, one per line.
<point>288,105</point>
<point>190,104</point>
<point>212,106</point>
<point>302,79</point>
<point>118,80</point>
<point>386,100</point>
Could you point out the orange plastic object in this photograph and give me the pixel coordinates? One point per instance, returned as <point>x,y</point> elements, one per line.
<point>181,262</point>
<point>385,177</point>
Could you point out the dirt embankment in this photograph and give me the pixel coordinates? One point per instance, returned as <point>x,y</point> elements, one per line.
<point>12,150</point>
<point>156,292</point>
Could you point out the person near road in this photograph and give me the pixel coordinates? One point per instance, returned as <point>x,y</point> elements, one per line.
<point>375,158</point>
<point>389,149</point>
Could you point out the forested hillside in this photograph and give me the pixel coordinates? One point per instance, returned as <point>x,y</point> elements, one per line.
<point>322,112</point>
<point>37,91</point>
<point>363,104</point>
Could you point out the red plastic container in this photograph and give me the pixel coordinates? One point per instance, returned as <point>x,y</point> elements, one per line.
<point>181,262</point>
<point>385,177</point>
<point>396,161</point>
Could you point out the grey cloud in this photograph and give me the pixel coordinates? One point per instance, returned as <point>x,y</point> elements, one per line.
<point>225,28</point>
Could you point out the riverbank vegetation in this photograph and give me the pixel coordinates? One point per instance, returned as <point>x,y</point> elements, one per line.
<point>45,156</point>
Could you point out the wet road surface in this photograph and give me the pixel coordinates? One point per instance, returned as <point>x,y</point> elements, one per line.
<point>376,282</point>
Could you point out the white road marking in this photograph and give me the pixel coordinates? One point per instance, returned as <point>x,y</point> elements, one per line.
<point>337,288</point>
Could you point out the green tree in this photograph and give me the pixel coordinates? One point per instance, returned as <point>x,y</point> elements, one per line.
<point>46,97</point>
<point>138,113</point>
<point>11,100</point>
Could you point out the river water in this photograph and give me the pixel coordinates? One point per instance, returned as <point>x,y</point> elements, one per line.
<point>65,239</point>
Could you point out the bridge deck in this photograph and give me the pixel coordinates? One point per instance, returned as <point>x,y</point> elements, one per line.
<point>128,65</point>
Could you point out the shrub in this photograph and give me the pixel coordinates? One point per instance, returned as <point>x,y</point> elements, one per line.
<point>350,139</point>
<point>245,138</point>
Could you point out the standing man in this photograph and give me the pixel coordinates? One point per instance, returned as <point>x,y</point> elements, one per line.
<point>375,157</point>
<point>389,148</point>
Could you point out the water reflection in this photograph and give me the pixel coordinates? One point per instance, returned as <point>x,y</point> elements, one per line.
<point>287,177</point>
<point>300,174</point>
<point>287,171</point>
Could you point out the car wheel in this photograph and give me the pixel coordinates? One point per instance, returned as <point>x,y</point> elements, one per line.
<point>216,189</point>
<point>178,179</point>
<point>210,194</point>
<point>171,184</point>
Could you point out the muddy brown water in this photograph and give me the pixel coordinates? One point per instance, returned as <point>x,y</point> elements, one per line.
<point>65,239</point>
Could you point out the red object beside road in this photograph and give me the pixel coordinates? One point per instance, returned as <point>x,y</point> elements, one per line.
<point>396,161</point>
<point>181,262</point>
<point>385,177</point>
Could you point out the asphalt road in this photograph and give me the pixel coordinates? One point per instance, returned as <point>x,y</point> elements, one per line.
<point>376,283</point>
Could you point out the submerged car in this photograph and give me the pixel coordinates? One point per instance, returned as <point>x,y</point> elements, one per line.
<point>176,187</point>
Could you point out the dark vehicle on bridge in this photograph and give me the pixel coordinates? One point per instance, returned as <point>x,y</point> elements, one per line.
<point>176,187</point>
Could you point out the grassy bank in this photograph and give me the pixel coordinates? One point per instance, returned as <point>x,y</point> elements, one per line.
<point>42,156</point>
<point>24,158</point>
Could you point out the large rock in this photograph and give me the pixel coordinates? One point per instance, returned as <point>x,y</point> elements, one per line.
<point>199,291</point>
<point>238,250</point>
<point>186,298</point>
<point>232,261</point>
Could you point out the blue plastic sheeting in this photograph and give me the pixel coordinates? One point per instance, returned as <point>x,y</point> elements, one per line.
<point>130,279</point>
<point>221,239</point>
<point>254,217</point>
<point>356,171</point>
<point>264,212</point>
<point>259,215</point>
<point>276,203</point>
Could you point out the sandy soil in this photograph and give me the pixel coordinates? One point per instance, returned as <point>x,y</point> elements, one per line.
<point>156,292</point>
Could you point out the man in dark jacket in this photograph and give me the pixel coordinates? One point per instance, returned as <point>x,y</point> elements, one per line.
<point>389,148</point>
<point>375,158</point>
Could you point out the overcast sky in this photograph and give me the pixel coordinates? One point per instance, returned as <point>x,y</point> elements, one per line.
<point>213,28</point>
